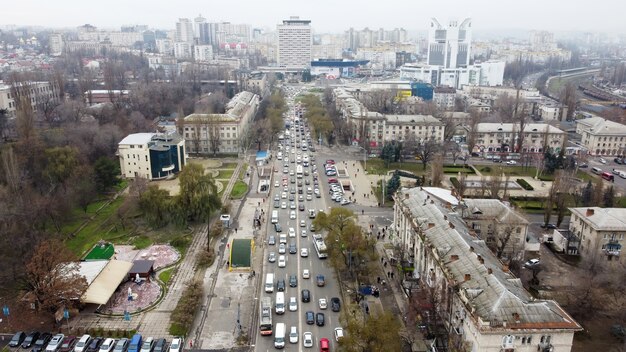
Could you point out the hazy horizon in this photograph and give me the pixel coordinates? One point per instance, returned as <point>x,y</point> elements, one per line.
<point>326,16</point>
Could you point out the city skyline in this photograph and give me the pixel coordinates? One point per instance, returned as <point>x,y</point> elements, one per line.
<point>326,16</point>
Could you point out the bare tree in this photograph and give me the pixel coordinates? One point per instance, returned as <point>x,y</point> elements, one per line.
<point>472,132</point>
<point>436,170</point>
<point>453,149</point>
<point>427,150</point>
<point>495,186</point>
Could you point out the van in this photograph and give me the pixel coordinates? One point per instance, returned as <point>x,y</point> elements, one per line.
<point>135,343</point>
<point>280,303</point>
<point>269,283</point>
<point>279,336</point>
<point>596,170</point>
<point>607,176</point>
<point>324,345</point>
<point>274,216</point>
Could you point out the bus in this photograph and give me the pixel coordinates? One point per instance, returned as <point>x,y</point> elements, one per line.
<point>320,246</point>
<point>266,316</point>
<point>299,171</point>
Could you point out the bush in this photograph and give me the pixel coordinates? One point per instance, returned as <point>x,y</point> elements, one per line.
<point>183,315</point>
<point>524,184</point>
<point>205,259</point>
<point>455,182</point>
<point>486,169</point>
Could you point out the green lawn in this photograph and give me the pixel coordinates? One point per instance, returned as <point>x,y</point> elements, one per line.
<point>229,166</point>
<point>239,190</point>
<point>377,166</point>
<point>141,242</point>
<point>225,174</point>
<point>166,275</point>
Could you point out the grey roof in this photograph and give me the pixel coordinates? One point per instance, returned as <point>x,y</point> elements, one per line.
<point>492,209</point>
<point>489,127</point>
<point>598,125</point>
<point>603,219</point>
<point>141,267</point>
<point>493,294</point>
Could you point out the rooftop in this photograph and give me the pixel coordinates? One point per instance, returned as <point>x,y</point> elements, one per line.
<point>495,296</point>
<point>512,127</point>
<point>598,125</point>
<point>603,219</point>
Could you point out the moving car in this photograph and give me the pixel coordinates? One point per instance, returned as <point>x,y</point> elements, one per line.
<point>271,240</point>
<point>320,280</point>
<point>293,304</point>
<point>271,257</point>
<point>280,285</point>
<point>293,280</point>
<point>307,339</point>
<point>319,319</point>
<point>304,252</point>
<point>322,303</point>
<point>293,335</point>
<point>282,249</point>
<point>306,295</point>
<point>306,274</point>
<point>338,334</point>
<point>292,232</point>
<point>310,317</point>
<point>335,304</point>
<point>282,262</point>
<point>531,263</point>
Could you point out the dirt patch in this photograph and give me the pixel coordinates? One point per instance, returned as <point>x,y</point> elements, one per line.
<point>144,295</point>
<point>597,336</point>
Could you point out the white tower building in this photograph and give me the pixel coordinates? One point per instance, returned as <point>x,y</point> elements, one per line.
<point>184,31</point>
<point>294,43</point>
<point>449,46</point>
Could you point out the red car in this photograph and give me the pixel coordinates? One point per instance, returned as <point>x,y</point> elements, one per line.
<point>330,161</point>
<point>332,180</point>
<point>68,344</point>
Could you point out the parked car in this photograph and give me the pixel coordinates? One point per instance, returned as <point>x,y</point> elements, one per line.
<point>68,344</point>
<point>30,339</point>
<point>176,345</point>
<point>531,263</point>
<point>82,343</point>
<point>121,345</point>
<point>338,334</point>
<point>94,345</point>
<point>55,343</point>
<point>335,304</point>
<point>17,339</point>
<point>159,345</point>
<point>41,342</point>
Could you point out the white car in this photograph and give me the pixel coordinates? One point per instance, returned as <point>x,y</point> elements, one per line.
<point>284,196</point>
<point>292,215</point>
<point>282,262</point>
<point>307,340</point>
<point>511,162</point>
<point>304,252</point>
<point>56,341</point>
<point>323,303</point>
<point>276,183</point>
<point>303,233</point>
<point>292,232</point>
<point>107,345</point>
<point>176,345</point>
<point>602,161</point>
<point>283,205</point>
<point>345,201</point>
<point>293,335</point>
<point>302,223</point>
<point>271,257</point>
<point>306,274</point>
<point>282,249</point>
<point>293,304</point>
<point>338,334</point>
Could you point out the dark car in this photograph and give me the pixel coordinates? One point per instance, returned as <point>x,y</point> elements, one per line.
<point>306,295</point>
<point>280,285</point>
<point>301,207</point>
<point>30,339</point>
<point>320,280</point>
<point>583,166</point>
<point>310,317</point>
<point>335,304</point>
<point>276,204</point>
<point>548,226</point>
<point>278,228</point>
<point>319,319</point>
<point>293,281</point>
<point>41,342</point>
<point>68,344</point>
<point>160,345</point>
<point>618,160</point>
<point>271,240</point>
<point>94,345</point>
<point>292,248</point>
<point>121,345</point>
<point>17,339</point>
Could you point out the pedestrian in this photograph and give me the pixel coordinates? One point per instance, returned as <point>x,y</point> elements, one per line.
<point>385,265</point>
<point>378,279</point>
<point>378,237</point>
<point>392,274</point>
<point>378,233</point>
<point>235,230</point>
<point>358,170</point>
<point>383,237</point>
<point>387,273</point>
<point>362,211</point>
<point>190,343</point>
<point>382,259</point>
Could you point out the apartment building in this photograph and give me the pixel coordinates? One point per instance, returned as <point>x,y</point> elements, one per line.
<point>444,98</point>
<point>221,133</point>
<point>600,232</point>
<point>503,137</point>
<point>39,93</point>
<point>483,306</point>
<point>601,136</point>
<point>152,156</point>
<point>294,43</point>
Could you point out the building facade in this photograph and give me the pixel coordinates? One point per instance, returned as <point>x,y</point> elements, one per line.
<point>600,232</point>
<point>601,136</point>
<point>449,46</point>
<point>203,52</point>
<point>222,133</point>
<point>482,305</point>
<point>152,156</point>
<point>184,31</point>
<point>39,94</point>
<point>444,98</point>
<point>503,137</point>
<point>57,44</point>
<point>294,43</point>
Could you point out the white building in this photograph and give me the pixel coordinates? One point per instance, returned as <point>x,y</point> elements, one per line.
<point>602,137</point>
<point>503,137</point>
<point>184,31</point>
<point>600,232</point>
<point>444,98</point>
<point>489,73</point>
<point>294,43</point>
<point>57,44</point>
<point>152,156</point>
<point>203,52</point>
<point>449,46</point>
<point>222,133</point>
<point>183,50</point>
<point>39,94</point>
<point>483,306</point>
<point>165,46</point>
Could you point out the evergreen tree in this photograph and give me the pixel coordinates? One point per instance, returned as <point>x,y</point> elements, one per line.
<point>587,194</point>
<point>392,185</point>
<point>609,198</point>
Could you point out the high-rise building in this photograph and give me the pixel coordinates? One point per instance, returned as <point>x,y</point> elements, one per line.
<point>56,44</point>
<point>200,30</point>
<point>294,43</point>
<point>203,52</point>
<point>449,46</point>
<point>184,31</point>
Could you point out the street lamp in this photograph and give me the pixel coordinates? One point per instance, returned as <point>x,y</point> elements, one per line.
<point>364,158</point>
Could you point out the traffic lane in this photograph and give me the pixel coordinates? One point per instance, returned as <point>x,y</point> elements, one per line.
<point>619,182</point>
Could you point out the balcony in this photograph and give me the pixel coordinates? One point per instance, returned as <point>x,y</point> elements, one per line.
<point>612,248</point>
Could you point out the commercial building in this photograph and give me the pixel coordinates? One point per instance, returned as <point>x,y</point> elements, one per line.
<point>482,305</point>
<point>601,136</point>
<point>488,73</point>
<point>600,232</point>
<point>449,46</point>
<point>503,137</point>
<point>294,43</point>
<point>152,156</point>
<point>222,133</point>
<point>39,94</point>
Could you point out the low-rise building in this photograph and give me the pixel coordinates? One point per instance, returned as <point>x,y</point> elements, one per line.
<point>40,94</point>
<point>99,96</point>
<point>444,98</point>
<point>482,305</point>
<point>152,156</point>
<point>600,232</point>
<point>601,136</point>
<point>503,137</point>
<point>222,133</point>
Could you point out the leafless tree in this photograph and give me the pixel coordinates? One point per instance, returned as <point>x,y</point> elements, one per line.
<point>472,133</point>
<point>568,97</point>
<point>453,149</point>
<point>495,186</point>
<point>427,150</point>
<point>436,170</point>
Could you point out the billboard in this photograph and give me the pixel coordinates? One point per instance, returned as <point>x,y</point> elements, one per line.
<point>329,72</point>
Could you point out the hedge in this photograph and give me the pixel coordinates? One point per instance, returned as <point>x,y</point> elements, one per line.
<point>525,184</point>
<point>455,182</point>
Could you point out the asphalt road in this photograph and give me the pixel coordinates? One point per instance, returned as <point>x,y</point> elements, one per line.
<point>296,264</point>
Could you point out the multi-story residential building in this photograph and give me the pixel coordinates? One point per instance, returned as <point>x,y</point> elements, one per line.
<point>601,136</point>
<point>449,46</point>
<point>184,31</point>
<point>482,305</point>
<point>152,156</point>
<point>503,137</point>
<point>57,44</point>
<point>165,46</point>
<point>203,52</point>
<point>444,98</point>
<point>600,232</point>
<point>221,133</point>
<point>256,82</point>
<point>183,50</point>
<point>39,94</point>
<point>294,43</point>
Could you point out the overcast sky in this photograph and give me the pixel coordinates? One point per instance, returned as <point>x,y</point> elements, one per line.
<point>326,15</point>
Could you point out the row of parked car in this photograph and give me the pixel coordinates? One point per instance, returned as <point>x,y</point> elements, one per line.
<point>46,342</point>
